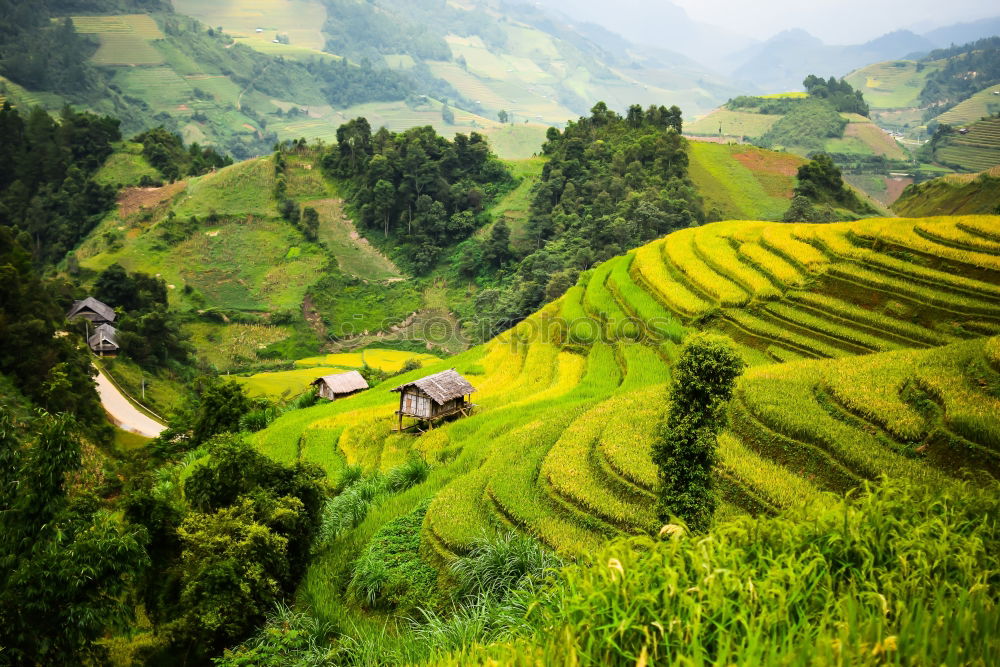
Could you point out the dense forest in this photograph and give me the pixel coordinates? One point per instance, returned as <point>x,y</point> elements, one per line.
<point>611,183</point>
<point>424,192</point>
<point>839,93</point>
<point>48,197</point>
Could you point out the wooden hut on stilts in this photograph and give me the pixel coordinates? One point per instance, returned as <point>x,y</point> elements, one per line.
<point>433,398</point>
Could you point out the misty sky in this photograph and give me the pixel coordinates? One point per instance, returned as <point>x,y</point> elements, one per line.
<point>835,21</point>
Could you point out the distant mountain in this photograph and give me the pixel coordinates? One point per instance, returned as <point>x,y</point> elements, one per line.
<point>782,62</point>
<point>963,33</point>
<point>664,26</point>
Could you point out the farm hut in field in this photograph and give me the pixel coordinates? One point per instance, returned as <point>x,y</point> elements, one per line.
<point>104,340</point>
<point>93,310</point>
<point>341,385</point>
<point>434,397</point>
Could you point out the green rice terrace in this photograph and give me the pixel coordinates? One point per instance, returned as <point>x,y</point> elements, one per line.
<point>873,351</point>
<point>977,150</point>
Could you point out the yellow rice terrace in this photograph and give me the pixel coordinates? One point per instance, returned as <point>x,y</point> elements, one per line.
<point>872,355</point>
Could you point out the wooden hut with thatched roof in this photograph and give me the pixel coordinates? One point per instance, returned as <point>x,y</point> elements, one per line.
<point>104,340</point>
<point>341,385</point>
<point>93,310</point>
<point>434,397</point>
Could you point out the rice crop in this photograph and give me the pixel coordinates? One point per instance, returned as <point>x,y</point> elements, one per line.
<point>599,301</point>
<point>390,361</point>
<point>825,326</point>
<point>952,233</point>
<point>567,470</point>
<point>780,270</point>
<point>872,320</point>
<point>774,331</point>
<point>780,239</point>
<point>891,231</point>
<point>783,398</point>
<point>649,268</point>
<point>679,251</point>
<point>654,316</point>
<point>984,227</point>
<point>717,252</point>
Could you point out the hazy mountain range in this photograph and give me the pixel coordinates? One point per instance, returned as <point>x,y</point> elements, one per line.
<point>777,63</point>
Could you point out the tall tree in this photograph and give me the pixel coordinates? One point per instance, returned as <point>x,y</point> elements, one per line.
<point>685,449</point>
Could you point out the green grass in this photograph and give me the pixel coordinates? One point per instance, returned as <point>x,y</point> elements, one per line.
<point>228,347</point>
<point>245,188</point>
<point>743,182</point>
<point>515,206</point>
<point>978,150</point>
<point>559,446</point>
<point>124,40</point>
<point>126,441</point>
<point>386,360</point>
<point>891,85</point>
<point>283,384</point>
<point>735,124</point>
<point>354,255</point>
<point>300,21</point>
<point>126,167</point>
<point>952,196</point>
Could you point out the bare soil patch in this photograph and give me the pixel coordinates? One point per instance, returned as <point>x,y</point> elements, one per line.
<point>134,200</point>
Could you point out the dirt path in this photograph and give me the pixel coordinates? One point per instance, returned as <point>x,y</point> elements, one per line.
<point>122,413</point>
<point>239,100</point>
<point>355,255</point>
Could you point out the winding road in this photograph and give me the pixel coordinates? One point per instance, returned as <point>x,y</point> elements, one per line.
<point>122,413</point>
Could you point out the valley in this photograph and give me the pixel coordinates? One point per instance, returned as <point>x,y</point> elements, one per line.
<point>385,332</point>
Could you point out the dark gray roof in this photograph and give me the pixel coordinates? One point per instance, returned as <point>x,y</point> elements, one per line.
<point>103,333</point>
<point>344,383</point>
<point>103,310</point>
<point>442,387</point>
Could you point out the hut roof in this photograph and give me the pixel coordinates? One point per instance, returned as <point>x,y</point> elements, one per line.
<point>343,383</point>
<point>90,303</point>
<point>442,387</point>
<point>104,333</point>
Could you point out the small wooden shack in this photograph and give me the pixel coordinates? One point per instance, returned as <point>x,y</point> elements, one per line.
<point>104,340</point>
<point>341,385</point>
<point>93,310</point>
<point>434,397</point>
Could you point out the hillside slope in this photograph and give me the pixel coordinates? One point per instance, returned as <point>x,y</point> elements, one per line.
<point>965,194</point>
<point>743,182</point>
<point>867,358</point>
<point>200,234</point>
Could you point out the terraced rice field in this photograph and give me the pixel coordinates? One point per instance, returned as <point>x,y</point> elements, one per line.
<point>984,103</point>
<point>979,150</point>
<point>891,85</point>
<point>125,40</point>
<point>868,355</point>
<point>733,124</point>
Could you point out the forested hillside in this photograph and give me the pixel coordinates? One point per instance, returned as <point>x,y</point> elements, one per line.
<point>611,182</point>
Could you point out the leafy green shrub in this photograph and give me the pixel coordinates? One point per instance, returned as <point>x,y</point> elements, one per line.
<point>390,574</point>
<point>496,567</point>
<point>348,509</point>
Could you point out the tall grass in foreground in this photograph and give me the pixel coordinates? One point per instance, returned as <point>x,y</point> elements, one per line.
<point>898,575</point>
